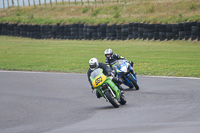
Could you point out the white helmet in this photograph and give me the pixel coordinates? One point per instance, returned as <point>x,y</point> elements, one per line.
<point>109,54</point>
<point>93,63</point>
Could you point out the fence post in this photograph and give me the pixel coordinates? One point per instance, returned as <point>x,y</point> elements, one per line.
<point>29,3</point>
<point>23,3</point>
<point>8,3</point>
<point>95,2</point>
<point>69,2</point>
<point>34,3</point>
<point>51,3</point>
<point>3,4</point>
<point>13,3</point>
<point>75,2</point>
<point>39,2</point>
<point>56,2</point>
<point>88,2</point>
<point>63,2</point>
<point>45,3</point>
<point>18,3</point>
<point>82,2</point>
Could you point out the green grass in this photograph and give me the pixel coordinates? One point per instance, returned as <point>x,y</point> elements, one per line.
<point>143,11</point>
<point>170,58</point>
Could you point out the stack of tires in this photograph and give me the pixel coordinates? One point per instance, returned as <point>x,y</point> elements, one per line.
<point>187,29</point>
<point>46,32</point>
<point>124,31</point>
<point>140,31</point>
<point>36,31</point>
<point>169,33</point>
<point>90,32</point>
<point>111,32</point>
<point>181,34</point>
<point>156,32</point>
<point>175,31</point>
<point>145,31</point>
<point>1,25</point>
<point>162,32</point>
<point>4,29</point>
<point>151,30</point>
<point>195,31</point>
<point>60,32</point>
<point>181,31</point>
<point>101,31</point>
<point>148,31</point>
<point>74,31</point>
<point>67,34</point>
<point>118,32</point>
<point>80,28</point>
<point>130,31</point>
<point>135,30</point>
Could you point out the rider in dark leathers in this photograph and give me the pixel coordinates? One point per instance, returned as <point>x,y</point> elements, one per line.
<point>112,58</point>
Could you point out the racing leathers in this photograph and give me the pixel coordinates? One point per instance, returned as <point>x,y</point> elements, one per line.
<point>114,58</point>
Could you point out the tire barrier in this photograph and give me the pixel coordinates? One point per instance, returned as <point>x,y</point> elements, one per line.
<point>178,31</point>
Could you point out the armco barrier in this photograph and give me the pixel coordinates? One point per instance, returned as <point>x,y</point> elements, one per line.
<point>181,31</point>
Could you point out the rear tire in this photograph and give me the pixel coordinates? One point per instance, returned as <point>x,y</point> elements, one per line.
<point>133,82</point>
<point>111,99</point>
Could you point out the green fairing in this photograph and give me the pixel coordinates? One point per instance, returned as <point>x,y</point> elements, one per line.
<point>114,87</point>
<point>110,83</point>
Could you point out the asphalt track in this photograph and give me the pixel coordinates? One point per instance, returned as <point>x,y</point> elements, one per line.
<point>34,102</point>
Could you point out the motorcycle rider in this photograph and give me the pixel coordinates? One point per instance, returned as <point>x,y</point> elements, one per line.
<point>112,58</point>
<point>94,64</point>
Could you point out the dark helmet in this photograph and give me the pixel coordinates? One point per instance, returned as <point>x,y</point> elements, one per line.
<point>93,63</point>
<point>109,54</point>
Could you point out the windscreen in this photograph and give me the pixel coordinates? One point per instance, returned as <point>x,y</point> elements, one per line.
<point>95,73</point>
<point>118,63</point>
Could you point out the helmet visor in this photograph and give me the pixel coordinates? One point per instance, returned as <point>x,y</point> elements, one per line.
<point>92,66</point>
<point>108,55</point>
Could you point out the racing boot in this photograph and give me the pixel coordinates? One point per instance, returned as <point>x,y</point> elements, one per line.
<point>98,94</point>
<point>118,82</point>
<point>120,87</point>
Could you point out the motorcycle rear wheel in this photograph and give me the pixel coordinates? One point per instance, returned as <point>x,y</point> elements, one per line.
<point>111,99</point>
<point>133,82</point>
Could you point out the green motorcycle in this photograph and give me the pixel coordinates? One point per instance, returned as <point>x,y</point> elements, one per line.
<point>107,88</point>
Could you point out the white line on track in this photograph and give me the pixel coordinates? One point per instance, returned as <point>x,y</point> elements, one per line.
<point>171,77</point>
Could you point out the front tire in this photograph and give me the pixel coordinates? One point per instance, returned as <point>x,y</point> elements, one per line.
<point>111,99</point>
<point>122,99</point>
<point>133,82</point>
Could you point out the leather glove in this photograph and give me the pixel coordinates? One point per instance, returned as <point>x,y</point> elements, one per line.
<point>114,73</point>
<point>130,62</point>
<point>109,74</point>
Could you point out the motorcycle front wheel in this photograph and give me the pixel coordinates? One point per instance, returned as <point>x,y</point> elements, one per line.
<point>111,99</point>
<point>122,99</point>
<point>133,82</point>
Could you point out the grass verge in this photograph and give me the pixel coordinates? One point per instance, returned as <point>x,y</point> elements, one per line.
<point>170,58</point>
<point>143,11</point>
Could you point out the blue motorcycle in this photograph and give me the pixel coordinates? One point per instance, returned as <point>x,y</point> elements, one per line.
<point>125,72</point>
